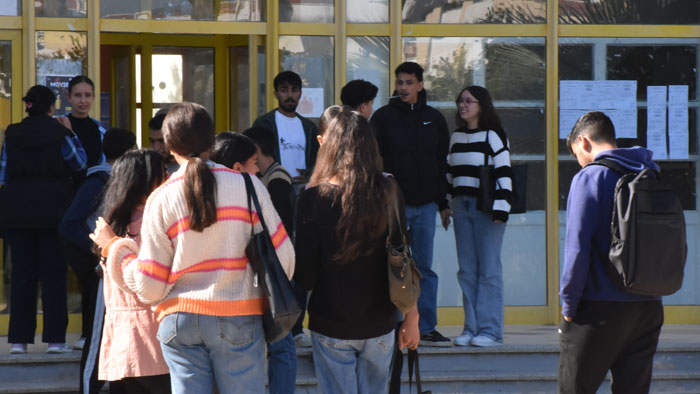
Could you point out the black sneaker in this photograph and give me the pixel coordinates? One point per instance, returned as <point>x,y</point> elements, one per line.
<point>434,338</point>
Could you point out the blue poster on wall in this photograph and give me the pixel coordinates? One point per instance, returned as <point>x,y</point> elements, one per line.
<point>59,85</point>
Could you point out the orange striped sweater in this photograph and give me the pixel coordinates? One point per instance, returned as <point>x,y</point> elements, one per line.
<point>180,270</point>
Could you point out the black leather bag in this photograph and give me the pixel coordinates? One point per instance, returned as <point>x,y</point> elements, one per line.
<point>281,309</point>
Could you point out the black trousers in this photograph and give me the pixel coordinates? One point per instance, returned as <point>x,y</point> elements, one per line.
<point>83,266</point>
<point>616,336</point>
<point>37,257</point>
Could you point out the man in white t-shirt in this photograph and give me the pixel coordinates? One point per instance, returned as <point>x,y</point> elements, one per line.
<point>296,136</point>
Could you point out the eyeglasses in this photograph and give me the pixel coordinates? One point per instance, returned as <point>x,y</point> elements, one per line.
<point>467,102</point>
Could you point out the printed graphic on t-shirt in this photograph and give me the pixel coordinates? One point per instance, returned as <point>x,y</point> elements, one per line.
<point>292,143</point>
<point>286,145</point>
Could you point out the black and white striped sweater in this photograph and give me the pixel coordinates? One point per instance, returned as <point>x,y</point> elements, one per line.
<point>467,150</point>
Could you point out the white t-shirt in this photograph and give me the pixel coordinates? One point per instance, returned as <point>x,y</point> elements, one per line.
<point>292,143</point>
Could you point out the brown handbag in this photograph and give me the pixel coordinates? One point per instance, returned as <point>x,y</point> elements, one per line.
<point>404,277</point>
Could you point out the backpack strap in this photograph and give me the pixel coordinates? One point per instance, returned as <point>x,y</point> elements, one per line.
<point>611,164</point>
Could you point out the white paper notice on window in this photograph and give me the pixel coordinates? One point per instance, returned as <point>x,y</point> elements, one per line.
<point>678,96</point>
<point>678,132</point>
<point>625,122</point>
<point>656,132</point>
<point>656,97</point>
<point>311,102</point>
<point>567,120</point>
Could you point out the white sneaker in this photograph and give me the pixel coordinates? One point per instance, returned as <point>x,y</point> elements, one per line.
<point>302,340</point>
<point>58,348</point>
<point>18,348</point>
<point>484,341</point>
<point>79,344</point>
<point>464,340</point>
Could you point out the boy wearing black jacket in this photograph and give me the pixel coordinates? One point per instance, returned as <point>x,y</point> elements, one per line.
<point>414,141</point>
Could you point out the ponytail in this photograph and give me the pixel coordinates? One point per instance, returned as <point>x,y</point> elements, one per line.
<point>200,194</point>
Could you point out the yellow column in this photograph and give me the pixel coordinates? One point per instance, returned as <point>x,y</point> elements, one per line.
<point>253,79</point>
<point>93,53</point>
<point>395,41</point>
<point>272,51</point>
<point>552,160</point>
<point>29,44</point>
<point>340,47</point>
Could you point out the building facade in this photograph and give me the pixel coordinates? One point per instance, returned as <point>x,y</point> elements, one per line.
<point>544,61</point>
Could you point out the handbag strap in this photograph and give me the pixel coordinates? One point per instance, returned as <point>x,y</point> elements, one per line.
<point>394,217</point>
<point>250,189</point>
<point>413,364</point>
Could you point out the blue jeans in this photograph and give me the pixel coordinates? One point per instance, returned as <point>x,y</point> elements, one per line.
<point>480,275</point>
<point>421,223</point>
<point>202,349</point>
<point>282,365</point>
<point>352,365</point>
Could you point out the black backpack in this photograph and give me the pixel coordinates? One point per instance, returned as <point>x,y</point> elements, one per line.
<point>648,249</point>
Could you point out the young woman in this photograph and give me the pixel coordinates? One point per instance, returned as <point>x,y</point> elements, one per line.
<point>235,151</point>
<point>81,94</point>
<point>341,247</point>
<point>39,158</point>
<point>192,265</point>
<point>479,235</point>
<point>130,352</point>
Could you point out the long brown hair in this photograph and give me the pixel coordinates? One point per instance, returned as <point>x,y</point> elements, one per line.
<point>350,156</point>
<point>189,131</point>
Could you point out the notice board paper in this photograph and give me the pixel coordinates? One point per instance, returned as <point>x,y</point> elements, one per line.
<point>656,132</point>
<point>678,96</point>
<point>625,122</point>
<point>656,97</point>
<point>567,120</point>
<point>678,132</point>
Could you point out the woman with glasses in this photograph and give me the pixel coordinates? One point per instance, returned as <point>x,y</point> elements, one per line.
<point>479,139</point>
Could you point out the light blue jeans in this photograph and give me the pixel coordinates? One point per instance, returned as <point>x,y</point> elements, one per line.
<point>282,365</point>
<point>421,222</point>
<point>352,365</point>
<point>480,275</point>
<point>202,349</point>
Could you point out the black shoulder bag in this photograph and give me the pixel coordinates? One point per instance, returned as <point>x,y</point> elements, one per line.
<point>281,309</point>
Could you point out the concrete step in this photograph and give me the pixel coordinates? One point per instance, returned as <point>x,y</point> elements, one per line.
<point>527,363</point>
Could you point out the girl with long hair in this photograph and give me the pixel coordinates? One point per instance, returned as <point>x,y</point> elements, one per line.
<point>341,237</point>
<point>479,235</point>
<point>192,264</point>
<point>130,352</point>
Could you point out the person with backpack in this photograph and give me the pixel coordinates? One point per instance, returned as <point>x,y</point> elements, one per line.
<point>604,327</point>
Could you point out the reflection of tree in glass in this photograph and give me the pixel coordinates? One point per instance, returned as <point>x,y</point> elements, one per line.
<point>515,13</point>
<point>175,94</point>
<point>77,53</point>
<point>629,12</point>
<point>449,76</point>
<point>515,71</point>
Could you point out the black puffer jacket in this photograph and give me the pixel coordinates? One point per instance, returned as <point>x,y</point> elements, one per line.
<point>414,142</point>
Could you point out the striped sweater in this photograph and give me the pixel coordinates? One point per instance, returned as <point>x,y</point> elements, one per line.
<point>179,270</point>
<point>467,150</point>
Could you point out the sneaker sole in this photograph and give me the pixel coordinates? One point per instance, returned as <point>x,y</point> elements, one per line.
<point>435,343</point>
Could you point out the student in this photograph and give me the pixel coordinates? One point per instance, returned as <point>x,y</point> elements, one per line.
<point>603,327</point>
<point>155,138</point>
<point>296,135</point>
<point>479,235</point>
<point>359,95</point>
<point>130,354</point>
<point>341,243</point>
<point>413,141</point>
<point>192,265</point>
<point>81,95</point>
<point>239,152</point>
<point>39,158</point>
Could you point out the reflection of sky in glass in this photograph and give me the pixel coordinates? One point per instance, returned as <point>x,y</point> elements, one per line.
<point>9,8</point>
<point>167,78</point>
<point>368,11</point>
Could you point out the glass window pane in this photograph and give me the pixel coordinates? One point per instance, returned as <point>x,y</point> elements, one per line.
<point>5,85</point>
<point>60,56</point>
<point>11,8</point>
<point>620,12</point>
<point>368,59</point>
<point>60,8</point>
<point>649,62</point>
<point>199,10</point>
<point>312,58</point>
<point>470,11</point>
<point>513,70</point>
<point>239,77</point>
<point>261,81</point>
<point>309,11</point>
<point>183,74</point>
<point>367,11</point>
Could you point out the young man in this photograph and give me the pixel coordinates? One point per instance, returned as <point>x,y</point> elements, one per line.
<point>155,137</point>
<point>359,95</point>
<point>603,326</point>
<point>296,136</point>
<point>414,142</point>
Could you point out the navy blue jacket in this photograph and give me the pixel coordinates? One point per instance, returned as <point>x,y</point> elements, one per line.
<point>588,218</point>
